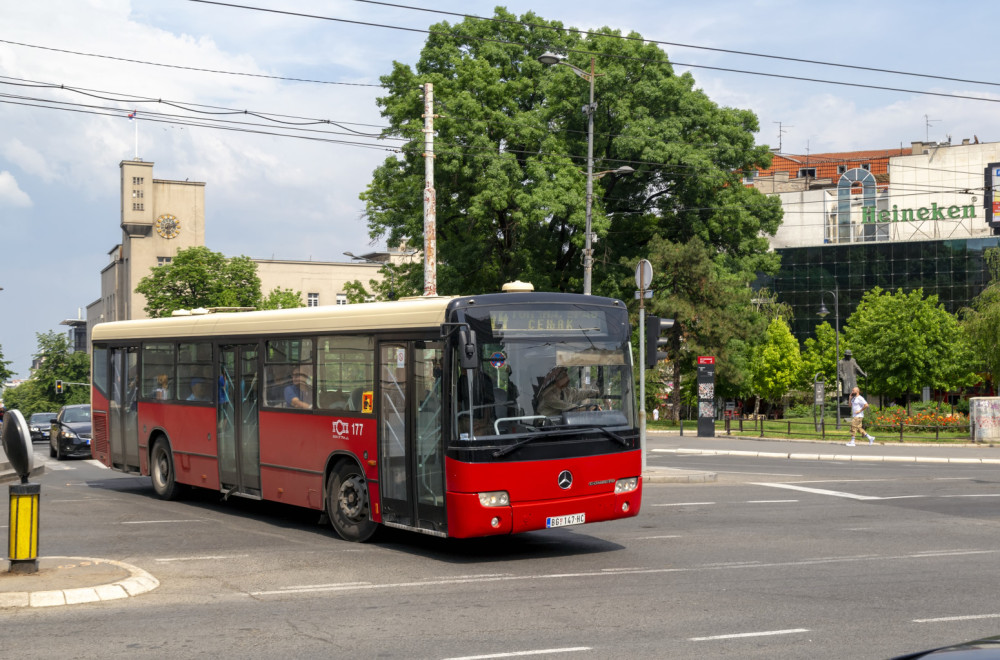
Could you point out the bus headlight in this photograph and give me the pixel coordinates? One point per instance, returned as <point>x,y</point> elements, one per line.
<point>495,498</point>
<point>626,485</point>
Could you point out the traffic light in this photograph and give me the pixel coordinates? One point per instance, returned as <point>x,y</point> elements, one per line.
<point>59,387</point>
<point>654,327</point>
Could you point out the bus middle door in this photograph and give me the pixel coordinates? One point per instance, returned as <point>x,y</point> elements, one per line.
<point>238,427</point>
<point>411,447</point>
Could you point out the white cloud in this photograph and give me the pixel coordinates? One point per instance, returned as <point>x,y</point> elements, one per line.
<point>10,193</point>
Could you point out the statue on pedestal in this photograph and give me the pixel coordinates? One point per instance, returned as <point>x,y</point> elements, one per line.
<point>847,375</point>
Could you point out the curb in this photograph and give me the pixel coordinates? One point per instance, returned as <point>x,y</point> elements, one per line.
<point>138,582</point>
<point>676,476</point>
<point>830,457</point>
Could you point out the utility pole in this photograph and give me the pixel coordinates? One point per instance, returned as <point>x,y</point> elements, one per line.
<point>430,197</point>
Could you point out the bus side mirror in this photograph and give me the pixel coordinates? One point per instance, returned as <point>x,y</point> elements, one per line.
<point>468,354</point>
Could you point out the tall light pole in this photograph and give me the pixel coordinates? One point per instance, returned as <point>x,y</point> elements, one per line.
<point>823,311</point>
<point>549,59</point>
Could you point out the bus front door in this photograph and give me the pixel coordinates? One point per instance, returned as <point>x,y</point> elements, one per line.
<point>238,426</point>
<point>411,447</point>
<point>123,423</point>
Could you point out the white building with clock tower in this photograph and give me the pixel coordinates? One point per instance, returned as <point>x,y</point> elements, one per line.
<point>161,217</point>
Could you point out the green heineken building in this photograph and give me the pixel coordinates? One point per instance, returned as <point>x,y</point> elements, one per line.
<point>906,218</point>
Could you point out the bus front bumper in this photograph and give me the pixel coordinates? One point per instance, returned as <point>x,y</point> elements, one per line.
<point>468,518</point>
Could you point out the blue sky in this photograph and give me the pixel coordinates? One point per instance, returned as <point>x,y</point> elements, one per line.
<point>273,197</point>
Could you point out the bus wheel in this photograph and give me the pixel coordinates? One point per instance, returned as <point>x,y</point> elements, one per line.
<point>347,503</point>
<point>161,469</point>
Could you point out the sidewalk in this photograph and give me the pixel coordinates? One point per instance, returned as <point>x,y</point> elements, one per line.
<point>7,473</point>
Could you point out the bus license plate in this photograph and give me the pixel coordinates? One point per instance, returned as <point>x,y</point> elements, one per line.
<point>562,521</point>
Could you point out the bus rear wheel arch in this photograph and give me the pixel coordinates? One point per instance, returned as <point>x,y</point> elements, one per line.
<point>348,503</point>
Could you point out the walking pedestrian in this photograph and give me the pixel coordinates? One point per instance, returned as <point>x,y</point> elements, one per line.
<point>858,407</point>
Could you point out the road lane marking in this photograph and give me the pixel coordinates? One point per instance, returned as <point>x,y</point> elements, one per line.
<point>205,558</point>
<point>967,617</point>
<point>158,522</point>
<point>683,504</point>
<point>454,581</point>
<point>769,501</point>
<point>519,654</point>
<point>820,491</point>
<point>750,634</point>
<point>653,538</point>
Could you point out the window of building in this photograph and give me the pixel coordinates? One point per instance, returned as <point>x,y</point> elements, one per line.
<point>807,171</point>
<point>137,206</point>
<point>341,298</point>
<point>312,300</point>
<point>841,169</point>
<point>137,180</point>
<point>866,166</point>
<point>163,261</point>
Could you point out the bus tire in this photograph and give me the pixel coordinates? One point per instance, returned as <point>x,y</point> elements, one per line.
<point>161,469</point>
<point>348,504</point>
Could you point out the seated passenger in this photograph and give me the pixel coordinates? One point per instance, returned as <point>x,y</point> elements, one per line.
<point>299,393</point>
<point>200,390</point>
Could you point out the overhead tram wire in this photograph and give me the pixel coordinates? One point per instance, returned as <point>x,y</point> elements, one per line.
<point>606,56</point>
<point>659,42</point>
<point>132,100</point>
<point>193,123</point>
<point>185,68</point>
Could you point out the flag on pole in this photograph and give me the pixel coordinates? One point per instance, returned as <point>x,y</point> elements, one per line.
<point>131,115</point>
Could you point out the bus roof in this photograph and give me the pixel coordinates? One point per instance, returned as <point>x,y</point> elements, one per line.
<point>403,314</point>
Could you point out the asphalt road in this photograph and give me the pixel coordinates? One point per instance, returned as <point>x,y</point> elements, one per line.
<point>778,558</point>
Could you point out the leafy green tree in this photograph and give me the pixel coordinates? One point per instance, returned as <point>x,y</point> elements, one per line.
<point>819,356</point>
<point>56,362</point>
<point>395,283</point>
<point>904,342</point>
<point>981,321</point>
<point>776,364</point>
<point>198,277</point>
<point>713,312</point>
<point>282,299</point>
<point>5,372</point>
<point>510,152</point>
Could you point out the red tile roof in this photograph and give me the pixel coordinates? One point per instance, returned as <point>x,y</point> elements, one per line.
<point>826,165</point>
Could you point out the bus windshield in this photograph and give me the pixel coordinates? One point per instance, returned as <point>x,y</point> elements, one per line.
<point>546,366</point>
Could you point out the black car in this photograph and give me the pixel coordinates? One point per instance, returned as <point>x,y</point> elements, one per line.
<point>70,432</point>
<point>39,424</point>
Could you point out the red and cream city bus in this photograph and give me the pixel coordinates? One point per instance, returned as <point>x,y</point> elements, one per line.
<point>438,415</point>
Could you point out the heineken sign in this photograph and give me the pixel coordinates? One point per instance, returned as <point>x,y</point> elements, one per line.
<point>932,212</point>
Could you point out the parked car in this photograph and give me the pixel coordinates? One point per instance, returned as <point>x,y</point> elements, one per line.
<point>69,433</point>
<point>39,424</point>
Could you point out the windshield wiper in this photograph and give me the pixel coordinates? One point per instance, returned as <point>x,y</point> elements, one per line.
<point>537,433</point>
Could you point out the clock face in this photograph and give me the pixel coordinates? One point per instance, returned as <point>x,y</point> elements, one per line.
<point>168,226</point>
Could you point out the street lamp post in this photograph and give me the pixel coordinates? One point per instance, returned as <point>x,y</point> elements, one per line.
<point>823,311</point>
<point>549,59</point>
<point>392,280</point>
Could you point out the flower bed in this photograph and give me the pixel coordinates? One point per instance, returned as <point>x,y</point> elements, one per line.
<point>890,419</point>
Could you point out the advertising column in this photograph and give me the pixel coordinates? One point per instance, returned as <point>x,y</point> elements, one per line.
<point>706,396</point>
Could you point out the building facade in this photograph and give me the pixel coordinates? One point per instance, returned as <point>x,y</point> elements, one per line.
<point>161,217</point>
<point>896,219</point>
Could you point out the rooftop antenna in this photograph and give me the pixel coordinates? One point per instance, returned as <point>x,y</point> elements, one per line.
<point>927,124</point>
<point>781,131</point>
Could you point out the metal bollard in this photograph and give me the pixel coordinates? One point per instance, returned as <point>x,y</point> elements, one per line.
<point>23,546</point>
